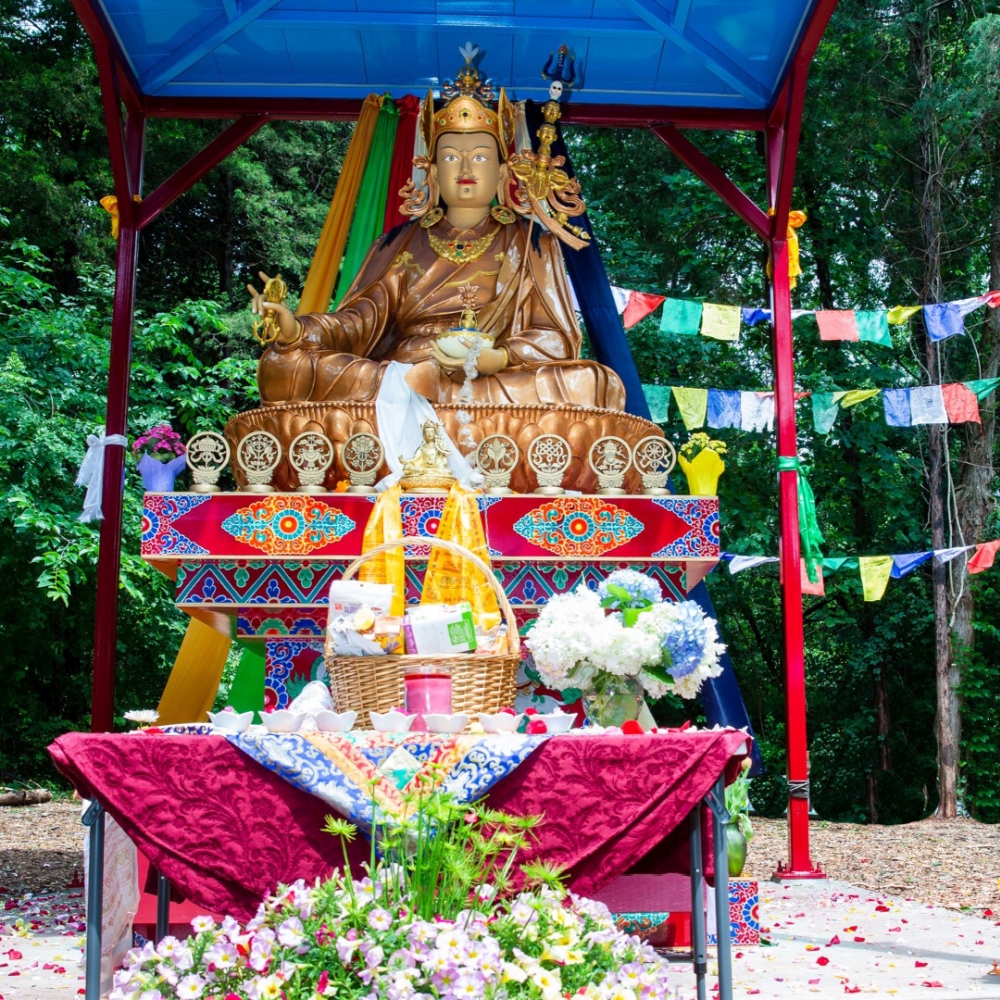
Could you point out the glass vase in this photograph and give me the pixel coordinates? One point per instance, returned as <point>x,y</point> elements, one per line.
<point>613,700</point>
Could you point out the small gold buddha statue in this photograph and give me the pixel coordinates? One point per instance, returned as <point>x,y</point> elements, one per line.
<point>427,471</point>
<point>407,293</point>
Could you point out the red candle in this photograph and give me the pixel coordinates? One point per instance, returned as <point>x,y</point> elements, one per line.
<point>427,692</point>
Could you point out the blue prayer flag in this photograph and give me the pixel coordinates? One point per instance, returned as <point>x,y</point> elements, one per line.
<point>723,408</point>
<point>754,316</point>
<point>901,565</point>
<point>896,403</point>
<point>943,320</point>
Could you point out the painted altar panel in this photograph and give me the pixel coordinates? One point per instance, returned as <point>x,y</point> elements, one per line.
<point>279,526</point>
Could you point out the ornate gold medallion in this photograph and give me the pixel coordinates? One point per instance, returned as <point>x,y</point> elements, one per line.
<point>433,217</point>
<point>505,216</point>
<point>462,251</point>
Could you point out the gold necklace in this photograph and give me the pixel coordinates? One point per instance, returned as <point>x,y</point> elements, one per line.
<point>461,251</point>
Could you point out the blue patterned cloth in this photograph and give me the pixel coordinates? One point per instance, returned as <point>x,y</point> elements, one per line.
<point>367,776</point>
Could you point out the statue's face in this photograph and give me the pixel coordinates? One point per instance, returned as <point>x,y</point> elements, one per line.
<point>468,169</point>
<point>556,90</point>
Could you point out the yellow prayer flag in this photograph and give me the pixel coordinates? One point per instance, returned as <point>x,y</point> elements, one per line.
<point>693,404</point>
<point>875,572</point>
<point>898,315</point>
<point>720,322</point>
<point>857,396</point>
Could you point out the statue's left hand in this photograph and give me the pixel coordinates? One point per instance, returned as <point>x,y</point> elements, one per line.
<point>491,360</point>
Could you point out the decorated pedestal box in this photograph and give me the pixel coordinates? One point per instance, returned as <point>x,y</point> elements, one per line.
<point>259,567</point>
<point>658,909</point>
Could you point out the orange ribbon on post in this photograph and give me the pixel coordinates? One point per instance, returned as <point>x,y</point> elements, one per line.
<point>795,221</point>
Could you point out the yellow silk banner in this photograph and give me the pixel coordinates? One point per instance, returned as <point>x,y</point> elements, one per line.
<point>318,289</point>
<point>385,524</point>
<point>875,572</point>
<point>451,579</point>
<point>194,679</point>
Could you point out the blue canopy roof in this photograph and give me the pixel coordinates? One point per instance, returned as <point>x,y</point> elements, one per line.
<point>712,54</point>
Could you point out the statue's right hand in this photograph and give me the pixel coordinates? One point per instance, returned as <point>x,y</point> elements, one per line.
<point>288,325</point>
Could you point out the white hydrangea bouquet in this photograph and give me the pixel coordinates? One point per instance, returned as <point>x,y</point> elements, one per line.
<point>624,629</point>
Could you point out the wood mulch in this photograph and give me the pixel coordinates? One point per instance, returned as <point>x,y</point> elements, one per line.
<point>41,848</point>
<point>954,864</point>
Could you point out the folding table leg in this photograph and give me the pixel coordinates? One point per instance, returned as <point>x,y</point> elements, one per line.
<point>699,940</point>
<point>94,818</point>
<point>162,906</point>
<point>717,803</point>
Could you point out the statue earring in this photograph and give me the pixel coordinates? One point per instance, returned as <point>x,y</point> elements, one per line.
<point>432,218</point>
<point>505,216</point>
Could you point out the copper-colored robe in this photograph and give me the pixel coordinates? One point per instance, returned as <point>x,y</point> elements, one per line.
<point>405,295</point>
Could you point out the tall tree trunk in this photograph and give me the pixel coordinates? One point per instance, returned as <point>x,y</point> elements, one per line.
<point>976,470</point>
<point>929,187</point>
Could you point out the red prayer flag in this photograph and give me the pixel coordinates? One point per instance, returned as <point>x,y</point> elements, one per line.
<point>992,299</point>
<point>960,403</point>
<point>837,324</point>
<point>401,165</point>
<point>982,558</point>
<point>640,305</point>
<point>808,587</point>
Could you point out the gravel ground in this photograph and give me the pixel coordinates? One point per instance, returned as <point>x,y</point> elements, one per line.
<point>955,864</point>
<point>952,864</point>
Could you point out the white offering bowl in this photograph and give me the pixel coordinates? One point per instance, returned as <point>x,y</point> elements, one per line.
<point>446,723</point>
<point>558,722</point>
<point>391,722</point>
<point>282,721</point>
<point>232,722</point>
<point>499,722</point>
<point>335,722</point>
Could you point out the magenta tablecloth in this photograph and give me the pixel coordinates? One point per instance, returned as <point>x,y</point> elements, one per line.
<point>225,831</point>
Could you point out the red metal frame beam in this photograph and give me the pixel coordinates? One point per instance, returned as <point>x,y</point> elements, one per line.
<point>338,109</point>
<point>700,164</point>
<point>109,554</point>
<point>196,168</point>
<point>120,167</point>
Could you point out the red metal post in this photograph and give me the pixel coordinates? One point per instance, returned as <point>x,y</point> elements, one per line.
<point>109,557</point>
<point>800,865</point>
<point>782,150</point>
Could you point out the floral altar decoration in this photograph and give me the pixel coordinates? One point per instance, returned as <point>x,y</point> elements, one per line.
<point>161,456</point>
<point>435,917</point>
<point>621,642</point>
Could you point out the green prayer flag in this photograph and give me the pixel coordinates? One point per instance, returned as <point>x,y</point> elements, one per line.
<point>825,408</point>
<point>982,387</point>
<point>658,398</point>
<point>834,563</point>
<point>681,316</point>
<point>873,326</point>
<point>369,212</point>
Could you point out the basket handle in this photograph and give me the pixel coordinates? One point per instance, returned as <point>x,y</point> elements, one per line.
<point>463,553</point>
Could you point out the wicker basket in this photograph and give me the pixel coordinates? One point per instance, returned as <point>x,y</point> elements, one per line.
<point>478,683</point>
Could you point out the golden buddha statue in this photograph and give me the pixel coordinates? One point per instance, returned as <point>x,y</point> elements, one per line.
<point>408,291</point>
<point>427,470</point>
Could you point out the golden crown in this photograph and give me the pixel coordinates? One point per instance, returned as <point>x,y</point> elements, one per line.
<point>468,108</point>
